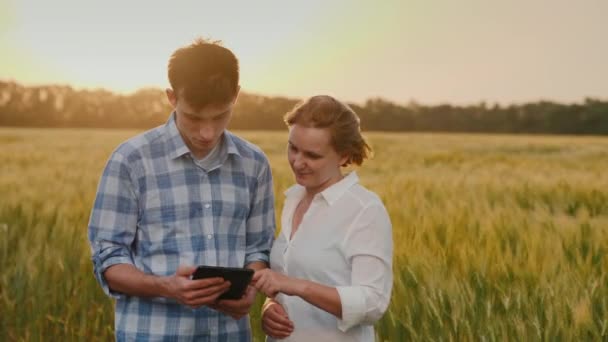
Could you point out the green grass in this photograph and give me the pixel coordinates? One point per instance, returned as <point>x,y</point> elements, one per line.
<point>496,237</point>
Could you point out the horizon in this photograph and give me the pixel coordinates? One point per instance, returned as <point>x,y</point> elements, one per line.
<point>425,52</point>
<point>361,103</point>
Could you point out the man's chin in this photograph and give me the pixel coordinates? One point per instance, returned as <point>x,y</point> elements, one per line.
<point>203,145</point>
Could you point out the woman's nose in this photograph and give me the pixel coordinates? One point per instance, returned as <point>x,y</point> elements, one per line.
<point>298,161</point>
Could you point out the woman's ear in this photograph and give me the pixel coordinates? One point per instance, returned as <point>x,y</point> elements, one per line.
<point>172,97</point>
<point>344,160</point>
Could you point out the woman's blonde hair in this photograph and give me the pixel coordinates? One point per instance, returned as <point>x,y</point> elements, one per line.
<point>323,111</point>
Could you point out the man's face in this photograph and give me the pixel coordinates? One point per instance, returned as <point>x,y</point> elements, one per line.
<point>201,129</point>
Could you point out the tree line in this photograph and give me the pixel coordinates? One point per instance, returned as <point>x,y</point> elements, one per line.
<point>64,106</point>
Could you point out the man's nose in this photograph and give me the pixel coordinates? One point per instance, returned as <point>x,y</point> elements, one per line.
<point>206,132</point>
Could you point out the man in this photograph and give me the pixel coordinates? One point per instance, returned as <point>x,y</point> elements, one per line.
<point>184,194</point>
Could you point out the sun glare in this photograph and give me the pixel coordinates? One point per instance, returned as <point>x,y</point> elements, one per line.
<point>354,49</point>
<point>126,45</point>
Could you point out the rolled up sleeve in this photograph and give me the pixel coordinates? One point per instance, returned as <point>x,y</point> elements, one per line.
<point>369,246</point>
<point>107,256</point>
<point>261,220</point>
<point>113,221</point>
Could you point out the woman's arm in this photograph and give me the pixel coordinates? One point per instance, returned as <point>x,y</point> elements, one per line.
<point>321,296</point>
<point>275,321</point>
<point>368,246</point>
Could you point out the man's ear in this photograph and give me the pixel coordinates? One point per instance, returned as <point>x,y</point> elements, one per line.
<point>236,96</point>
<point>172,97</point>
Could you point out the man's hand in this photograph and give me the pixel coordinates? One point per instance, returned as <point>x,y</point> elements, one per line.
<point>275,321</point>
<point>194,293</point>
<point>236,308</point>
<point>270,283</point>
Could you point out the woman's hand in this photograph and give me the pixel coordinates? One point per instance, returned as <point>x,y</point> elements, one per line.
<point>275,321</point>
<point>270,283</point>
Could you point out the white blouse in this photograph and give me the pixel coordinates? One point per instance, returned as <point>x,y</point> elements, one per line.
<point>344,241</point>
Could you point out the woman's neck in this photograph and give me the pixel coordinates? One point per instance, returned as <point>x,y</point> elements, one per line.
<point>311,192</point>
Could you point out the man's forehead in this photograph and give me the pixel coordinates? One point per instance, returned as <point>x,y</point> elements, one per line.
<point>209,110</point>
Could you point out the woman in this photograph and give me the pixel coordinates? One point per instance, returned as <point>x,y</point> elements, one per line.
<point>331,266</point>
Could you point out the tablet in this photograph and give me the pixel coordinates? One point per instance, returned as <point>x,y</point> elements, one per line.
<point>239,278</point>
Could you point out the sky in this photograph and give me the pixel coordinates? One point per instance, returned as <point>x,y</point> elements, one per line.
<point>428,51</point>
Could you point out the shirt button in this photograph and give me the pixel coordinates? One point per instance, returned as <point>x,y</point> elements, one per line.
<point>207,205</point>
<point>210,236</point>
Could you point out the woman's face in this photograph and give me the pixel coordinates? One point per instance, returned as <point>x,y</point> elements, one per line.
<point>313,160</point>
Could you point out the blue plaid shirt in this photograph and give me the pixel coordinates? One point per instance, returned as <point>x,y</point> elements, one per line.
<point>157,209</point>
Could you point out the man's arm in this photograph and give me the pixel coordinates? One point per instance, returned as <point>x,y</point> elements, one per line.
<point>260,234</point>
<point>125,278</point>
<point>112,230</point>
<point>238,308</point>
<point>113,221</point>
<point>261,220</point>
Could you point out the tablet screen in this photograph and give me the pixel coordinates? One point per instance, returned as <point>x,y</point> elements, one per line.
<point>239,278</point>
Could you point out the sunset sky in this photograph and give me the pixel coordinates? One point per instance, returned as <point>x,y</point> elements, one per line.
<point>430,51</point>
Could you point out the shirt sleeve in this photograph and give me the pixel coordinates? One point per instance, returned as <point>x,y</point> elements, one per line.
<point>113,220</point>
<point>261,220</point>
<point>369,248</point>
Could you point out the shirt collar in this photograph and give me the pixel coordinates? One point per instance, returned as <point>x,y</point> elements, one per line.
<point>230,145</point>
<point>335,191</point>
<point>177,146</point>
<point>331,194</point>
<point>295,191</point>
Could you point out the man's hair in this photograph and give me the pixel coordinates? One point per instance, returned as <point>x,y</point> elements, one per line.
<point>204,73</point>
<point>324,111</point>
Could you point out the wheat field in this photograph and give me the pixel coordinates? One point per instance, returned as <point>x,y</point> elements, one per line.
<point>497,237</point>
